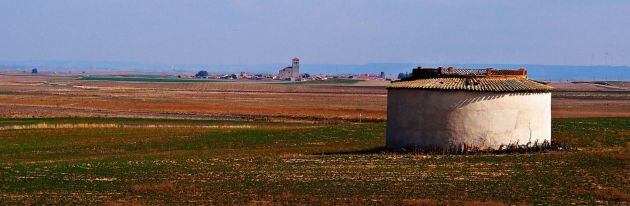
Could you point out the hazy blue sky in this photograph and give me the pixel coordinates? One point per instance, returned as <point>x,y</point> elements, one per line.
<point>345,31</point>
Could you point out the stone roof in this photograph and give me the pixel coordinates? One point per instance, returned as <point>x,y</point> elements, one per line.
<point>482,80</point>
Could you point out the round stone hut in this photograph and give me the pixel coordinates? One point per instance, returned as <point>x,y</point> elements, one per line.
<point>483,108</point>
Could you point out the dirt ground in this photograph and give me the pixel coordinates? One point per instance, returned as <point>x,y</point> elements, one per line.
<point>49,96</point>
<point>168,159</point>
<point>588,86</point>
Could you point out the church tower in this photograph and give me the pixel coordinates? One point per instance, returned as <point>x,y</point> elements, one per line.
<point>295,74</point>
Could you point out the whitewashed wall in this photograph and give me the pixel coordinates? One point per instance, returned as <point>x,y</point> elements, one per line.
<point>483,119</point>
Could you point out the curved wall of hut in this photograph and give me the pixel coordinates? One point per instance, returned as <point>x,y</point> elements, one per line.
<point>417,117</point>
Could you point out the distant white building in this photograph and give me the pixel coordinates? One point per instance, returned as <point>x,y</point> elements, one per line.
<point>292,72</point>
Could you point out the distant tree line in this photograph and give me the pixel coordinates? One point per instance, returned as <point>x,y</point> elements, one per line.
<point>404,75</point>
<point>201,74</point>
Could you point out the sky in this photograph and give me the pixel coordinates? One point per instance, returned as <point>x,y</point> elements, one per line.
<point>571,32</point>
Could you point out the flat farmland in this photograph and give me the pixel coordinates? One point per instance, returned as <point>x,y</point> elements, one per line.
<point>40,97</point>
<point>45,96</point>
<point>65,141</point>
<point>122,161</point>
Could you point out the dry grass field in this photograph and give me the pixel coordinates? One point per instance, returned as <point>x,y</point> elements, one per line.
<point>65,141</point>
<point>43,96</point>
<point>62,96</point>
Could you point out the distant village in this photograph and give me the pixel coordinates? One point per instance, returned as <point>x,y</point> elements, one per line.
<point>302,77</point>
<point>289,73</point>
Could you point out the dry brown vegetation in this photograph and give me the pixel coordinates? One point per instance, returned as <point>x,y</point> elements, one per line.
<point>67,97</point>
<point>43,96</point>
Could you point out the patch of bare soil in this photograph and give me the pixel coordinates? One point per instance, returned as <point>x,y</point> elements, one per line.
<point>574,107</point>
<point>591,86</point>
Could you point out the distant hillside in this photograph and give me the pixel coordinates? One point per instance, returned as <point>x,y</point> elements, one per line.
<point>542,72</point>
